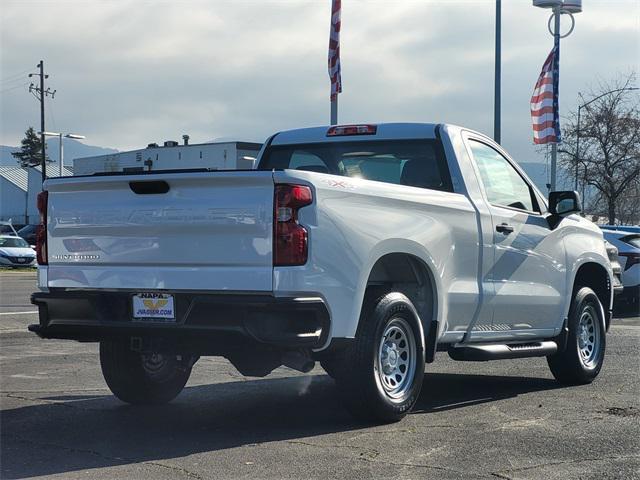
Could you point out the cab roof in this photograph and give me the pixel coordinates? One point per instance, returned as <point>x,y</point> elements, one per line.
<point>384,131</point>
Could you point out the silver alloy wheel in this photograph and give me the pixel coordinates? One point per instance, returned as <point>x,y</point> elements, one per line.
<point>589,336</point>
<point>396,359</point>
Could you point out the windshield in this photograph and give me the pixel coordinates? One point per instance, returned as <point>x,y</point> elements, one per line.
<point>417,163</point>
<point>13,242</point>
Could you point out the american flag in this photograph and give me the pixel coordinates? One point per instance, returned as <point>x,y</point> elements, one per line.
<point>334,50</point>
<point>544,102</point>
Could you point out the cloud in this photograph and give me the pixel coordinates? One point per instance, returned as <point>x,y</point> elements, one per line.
<point>130,72</point>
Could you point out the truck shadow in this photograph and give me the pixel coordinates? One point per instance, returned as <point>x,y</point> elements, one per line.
<point>442,392</point>
<point>79,432</point>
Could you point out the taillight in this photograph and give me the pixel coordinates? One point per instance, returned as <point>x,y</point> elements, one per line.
<point>41,234</point>
<point>289,237</point>
<point>346,130</point>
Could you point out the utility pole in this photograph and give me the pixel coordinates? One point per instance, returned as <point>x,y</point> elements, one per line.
<point>497,79</point>
<point>41,94</point>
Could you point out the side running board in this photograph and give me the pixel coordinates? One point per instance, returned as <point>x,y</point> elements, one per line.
<point>483,353</point>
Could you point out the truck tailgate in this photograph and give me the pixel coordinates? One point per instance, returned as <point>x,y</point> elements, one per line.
<point>208,231</point>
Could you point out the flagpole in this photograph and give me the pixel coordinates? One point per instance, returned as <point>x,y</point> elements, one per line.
<point>334,111</point>
<point>556,68</point>
<point>334,59</point>
<point>554,154</point>
<point>540,111</point>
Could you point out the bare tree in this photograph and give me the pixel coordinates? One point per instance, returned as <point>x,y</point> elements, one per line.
<point>608,140</point>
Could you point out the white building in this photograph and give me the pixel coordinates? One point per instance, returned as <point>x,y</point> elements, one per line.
<point>13,194</point>
<point>172,156</point>
<point>19,188</point>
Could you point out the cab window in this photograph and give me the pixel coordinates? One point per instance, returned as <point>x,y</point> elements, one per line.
<point>503,185</point>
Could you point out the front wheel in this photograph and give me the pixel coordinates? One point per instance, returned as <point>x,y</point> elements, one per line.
<point>142,379</point>
<point>381,374</point>
<point>583,356</point>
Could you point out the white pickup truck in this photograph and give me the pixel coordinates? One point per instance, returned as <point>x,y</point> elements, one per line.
<point>368,248</point>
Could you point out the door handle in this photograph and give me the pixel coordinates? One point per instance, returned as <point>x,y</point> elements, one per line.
<point>504,228</point>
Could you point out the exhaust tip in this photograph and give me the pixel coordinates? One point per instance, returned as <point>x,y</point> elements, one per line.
<point>298,360</point>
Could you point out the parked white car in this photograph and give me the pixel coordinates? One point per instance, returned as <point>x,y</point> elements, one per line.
<point>15,252</point>
<point>366,247</point>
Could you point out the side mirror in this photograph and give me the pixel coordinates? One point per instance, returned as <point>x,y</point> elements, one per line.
<point>564,203</point>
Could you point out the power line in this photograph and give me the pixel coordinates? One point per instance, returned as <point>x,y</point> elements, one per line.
<point>22,85</point>
<point>6,83</point>
<point>8,78</point>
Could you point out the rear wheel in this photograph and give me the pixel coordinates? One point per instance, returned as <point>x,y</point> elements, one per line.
<point>331,366</point>
<point>142,378</point>
<point>381,374</point>
<point>583,357</point>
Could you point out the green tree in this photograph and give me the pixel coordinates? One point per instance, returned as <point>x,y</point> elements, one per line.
<point>30,153</point>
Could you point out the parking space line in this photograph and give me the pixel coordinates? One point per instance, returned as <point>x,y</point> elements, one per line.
<point>18,313</point>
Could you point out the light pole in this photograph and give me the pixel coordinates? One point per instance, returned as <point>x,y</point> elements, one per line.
<point>580,107</point>
<point>60,144</point>
<point>497,74</point>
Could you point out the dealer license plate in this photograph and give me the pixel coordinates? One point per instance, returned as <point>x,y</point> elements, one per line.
<point>153,306</point>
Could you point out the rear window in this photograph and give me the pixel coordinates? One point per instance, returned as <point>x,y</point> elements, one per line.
<point>416,163</point>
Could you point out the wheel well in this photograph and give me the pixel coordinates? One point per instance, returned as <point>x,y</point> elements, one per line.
<point>595,276</point>
<point>405,273</point>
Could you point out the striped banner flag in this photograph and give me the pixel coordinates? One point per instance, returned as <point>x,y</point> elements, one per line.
<point>544,102</point>
<point>334,50</point>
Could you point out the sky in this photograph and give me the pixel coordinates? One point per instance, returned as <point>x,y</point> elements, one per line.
<point>128,73</point>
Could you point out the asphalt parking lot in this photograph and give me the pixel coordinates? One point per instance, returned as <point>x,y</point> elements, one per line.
<point>505,419</point>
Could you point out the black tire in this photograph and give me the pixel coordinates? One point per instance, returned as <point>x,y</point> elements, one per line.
<point>361,380</point>
<point>331,366</point>
<point>578,364</point>
<point>142,379</point>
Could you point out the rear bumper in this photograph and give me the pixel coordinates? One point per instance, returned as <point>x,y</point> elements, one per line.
<point>208,319</point>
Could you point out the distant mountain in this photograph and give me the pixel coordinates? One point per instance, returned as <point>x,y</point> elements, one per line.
<point>538,173</point>
<point>6,159</point>
<point>72,149</point>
